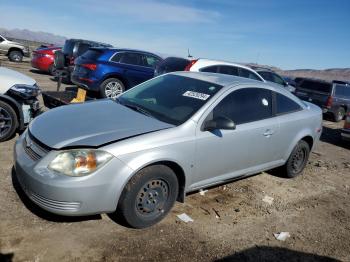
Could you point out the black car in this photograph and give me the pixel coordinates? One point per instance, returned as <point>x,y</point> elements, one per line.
<point>171,64</point>
<point>333,97</point>
<point>73,48</point>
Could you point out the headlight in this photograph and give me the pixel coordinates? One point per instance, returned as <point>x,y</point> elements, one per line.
<point>79,162</point>
<point>26,91</point>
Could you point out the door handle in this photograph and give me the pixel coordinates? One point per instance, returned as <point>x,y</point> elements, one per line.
<point>268,133</point>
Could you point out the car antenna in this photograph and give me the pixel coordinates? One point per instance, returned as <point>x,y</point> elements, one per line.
<point>188,53</point>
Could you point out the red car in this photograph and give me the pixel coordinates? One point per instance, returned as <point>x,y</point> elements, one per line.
<point>43,59</point>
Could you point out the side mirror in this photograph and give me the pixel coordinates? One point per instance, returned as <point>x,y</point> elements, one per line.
<point>219,122</point>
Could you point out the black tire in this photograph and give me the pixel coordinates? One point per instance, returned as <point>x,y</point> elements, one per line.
<point>53,70</point>
<point>8,121</point>
<point>111,87</point>
<point>15,56</point>
<point>297,160</point>
<point>148,197</point>
<point>59,60</point>
<point>339,114</point>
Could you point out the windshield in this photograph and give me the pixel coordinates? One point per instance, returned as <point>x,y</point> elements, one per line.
<point>170,98</point>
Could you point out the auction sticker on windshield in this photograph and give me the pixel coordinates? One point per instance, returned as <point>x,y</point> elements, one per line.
<point>197,95</point>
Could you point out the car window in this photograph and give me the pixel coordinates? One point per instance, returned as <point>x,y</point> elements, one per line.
<point>266,75</point>
<point>228,70</point>
<point>170,98</point>
<point>245,105</point>
<point>210,69</point>
<point>1,39</point>
<point>92,54</point>
<point>277,79</point>
<point>285,105</point>
<point>248,74</point>
<point>316,86</point>
<point>131,59</point>
<point>116,58</point>
<point>150,61</point>
<point>341,90</point>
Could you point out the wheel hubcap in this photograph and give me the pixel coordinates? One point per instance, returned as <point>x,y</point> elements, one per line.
<point>5,122</point>
<point>298,159</point>
<point>152,198</point>
<point>113,89</point>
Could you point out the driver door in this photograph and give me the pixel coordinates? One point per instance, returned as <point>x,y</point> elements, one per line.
<point>224,154</point>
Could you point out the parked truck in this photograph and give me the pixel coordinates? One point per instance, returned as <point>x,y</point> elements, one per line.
<point>13,50</point>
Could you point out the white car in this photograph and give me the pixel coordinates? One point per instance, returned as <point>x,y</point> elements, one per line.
<point>18,102</point>
<point>172,64</point>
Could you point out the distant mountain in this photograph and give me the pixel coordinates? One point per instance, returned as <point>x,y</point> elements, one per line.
<point>35,36</point>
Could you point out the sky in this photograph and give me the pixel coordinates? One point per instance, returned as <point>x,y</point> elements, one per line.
<point>290,34</point>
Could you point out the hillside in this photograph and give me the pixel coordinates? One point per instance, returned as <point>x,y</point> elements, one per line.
<point>33,36</point>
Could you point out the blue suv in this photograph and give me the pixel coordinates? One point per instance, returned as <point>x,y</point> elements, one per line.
<point>111,71</point>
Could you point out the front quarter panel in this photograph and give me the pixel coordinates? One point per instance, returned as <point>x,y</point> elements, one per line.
<point>176,145</point>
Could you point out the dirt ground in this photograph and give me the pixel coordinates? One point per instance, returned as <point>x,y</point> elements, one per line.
<point>231,222</point>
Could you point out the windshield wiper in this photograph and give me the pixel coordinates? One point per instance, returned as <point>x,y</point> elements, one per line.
<point>138,109</point>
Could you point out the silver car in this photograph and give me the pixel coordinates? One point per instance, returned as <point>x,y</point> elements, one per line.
<point>173,134</point>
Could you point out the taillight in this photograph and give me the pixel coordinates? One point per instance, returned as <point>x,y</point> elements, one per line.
<point>329,101</point>
<point>188,67</point>
<point>90,66</point>
<point>347,121</point>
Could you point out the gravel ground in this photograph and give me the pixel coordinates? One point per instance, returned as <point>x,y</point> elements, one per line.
<point>231,222</point>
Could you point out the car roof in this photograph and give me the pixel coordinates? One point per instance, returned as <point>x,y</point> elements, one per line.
<point>219,79</point>
<point>117,49</point>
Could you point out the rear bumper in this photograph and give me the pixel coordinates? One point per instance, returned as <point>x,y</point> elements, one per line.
<point>345,134</point>
<point>41,64</point>
<point>85,83</point>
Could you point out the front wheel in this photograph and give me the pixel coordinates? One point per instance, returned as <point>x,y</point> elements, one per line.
<point>16,56</point>
<point>148,196</point>
<point>8,121</point>
<point>297,159</point>
<point>111,88</point>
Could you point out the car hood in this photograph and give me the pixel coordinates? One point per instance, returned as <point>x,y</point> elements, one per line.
<point>9,78</point>
<point>91,124</point>
<point>15,43</point>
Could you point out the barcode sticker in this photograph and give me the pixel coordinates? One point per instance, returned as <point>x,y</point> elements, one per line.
<point>197,95</point>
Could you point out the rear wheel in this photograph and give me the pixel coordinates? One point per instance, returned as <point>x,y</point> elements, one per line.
<point>148,196</point>
<point>111,88</point>
<point>297,160</point>
<point>339,114</point>
<point>8,121</point>
<point>15,56</point>
<point>53,70</point>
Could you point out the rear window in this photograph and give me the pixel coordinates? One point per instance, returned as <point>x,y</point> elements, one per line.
<point>92,54</point>
<point>172,64</point>
<point>316,86</point>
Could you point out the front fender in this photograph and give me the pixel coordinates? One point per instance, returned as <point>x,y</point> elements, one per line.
<point>17,107</point>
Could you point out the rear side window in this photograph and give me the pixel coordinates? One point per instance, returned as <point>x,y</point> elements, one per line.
<point>210,69</point>
<point>131,59</point>
<point>150,61</point>
<point>285,105</point>
<point>92,54</point>
<point>316,86</point>
<point>248,74</point>
<point>246,105</point>
<point>341,90</point>
<point>116,57</point>
<point>228,70</point>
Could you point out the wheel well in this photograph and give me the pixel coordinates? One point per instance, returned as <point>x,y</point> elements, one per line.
<point>309,140</point>
<point>14,107</point>
<point>180,174</point>
<point>15,49</point>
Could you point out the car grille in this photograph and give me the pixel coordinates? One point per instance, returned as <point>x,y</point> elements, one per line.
<point>53,204</point>
<point>33,149</point>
